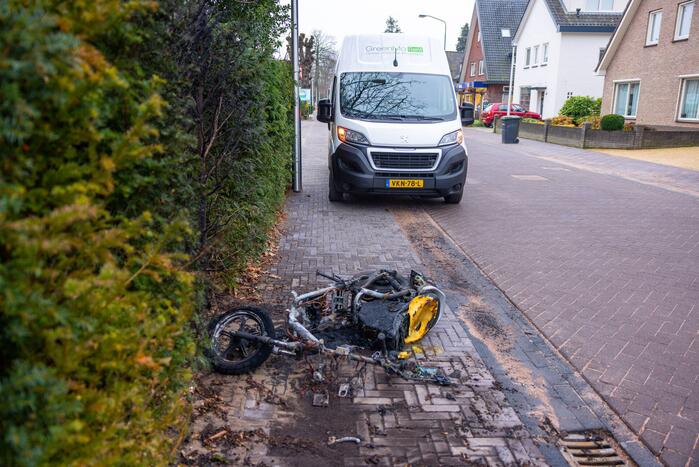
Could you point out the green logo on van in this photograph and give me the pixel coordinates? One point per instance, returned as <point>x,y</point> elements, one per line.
<point>415,50</point>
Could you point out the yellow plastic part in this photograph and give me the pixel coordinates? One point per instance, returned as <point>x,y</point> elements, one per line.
<point>421,310</point>
<point>403,355</point>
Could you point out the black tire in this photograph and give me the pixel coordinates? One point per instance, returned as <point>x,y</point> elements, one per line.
<point>240,355</point>
<point>333,194</point>
<point>454,198</point>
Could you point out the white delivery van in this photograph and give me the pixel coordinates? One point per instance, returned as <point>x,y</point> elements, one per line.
<point>395,127</point>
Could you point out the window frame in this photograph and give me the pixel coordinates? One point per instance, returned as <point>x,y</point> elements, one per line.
<point>536,55</point>
<point>681,7</point>
<point>616,96</point>
<point>481,68</point>
<point>473,69</point>
<point>599,6</point>
<point>651,22</point>
<point>682,95</point>
<point>544,53</point>
<point>528,54</point>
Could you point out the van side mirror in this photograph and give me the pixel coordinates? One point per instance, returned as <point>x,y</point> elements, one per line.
<point>466,111</point>
<point>325,111</point>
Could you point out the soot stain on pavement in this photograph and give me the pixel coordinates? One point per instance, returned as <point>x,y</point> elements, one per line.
<point>448,267</point>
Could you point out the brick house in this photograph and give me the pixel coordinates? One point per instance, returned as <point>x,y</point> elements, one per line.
<point>486,69</point>
<point>651,66</point>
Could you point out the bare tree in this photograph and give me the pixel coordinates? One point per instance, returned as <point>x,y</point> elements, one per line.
<point>306,57</point>
<point>324,66</point>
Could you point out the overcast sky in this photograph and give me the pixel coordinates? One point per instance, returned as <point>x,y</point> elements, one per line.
<point>341,18</point>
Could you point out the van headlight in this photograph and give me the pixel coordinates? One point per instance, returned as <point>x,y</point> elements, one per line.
<point>350,136</point>
<point>455,137</point>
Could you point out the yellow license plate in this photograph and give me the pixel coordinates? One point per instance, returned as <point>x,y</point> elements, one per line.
<point>405,183</point>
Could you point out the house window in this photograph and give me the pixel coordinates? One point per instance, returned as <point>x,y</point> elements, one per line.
<point>653,33</point>
<point>481,68</point>
<point>689,101</point>
<point>505,32</point>
<point>684,20</point>
<point>536,55</point>
<point>626,98</point>
<point>479,36</point>
<point>473,68</point>
<point>602,50</point>
<point>545,54</point>
<point>569,94</point>
<point>529,56</point>
<point>599,5</point>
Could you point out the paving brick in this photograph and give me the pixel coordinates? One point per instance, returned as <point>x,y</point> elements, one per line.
<point>593,254</point>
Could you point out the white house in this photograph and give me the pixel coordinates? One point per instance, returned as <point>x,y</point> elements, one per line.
<point>559,44</point>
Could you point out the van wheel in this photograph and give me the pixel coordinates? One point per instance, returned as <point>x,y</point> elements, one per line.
<point>454,198</point>
<point>333,194</point>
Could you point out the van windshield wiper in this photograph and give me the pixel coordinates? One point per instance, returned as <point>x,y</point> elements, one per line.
<point>413,117</point>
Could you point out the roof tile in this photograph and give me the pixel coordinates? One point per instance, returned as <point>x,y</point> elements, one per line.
<point>493,16</point>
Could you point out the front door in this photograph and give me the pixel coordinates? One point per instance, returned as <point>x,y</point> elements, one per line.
<point>542,94</point>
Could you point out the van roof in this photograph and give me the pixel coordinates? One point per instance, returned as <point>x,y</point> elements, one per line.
<point>376,52</point>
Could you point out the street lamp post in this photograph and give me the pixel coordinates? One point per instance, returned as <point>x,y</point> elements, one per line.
<point>297,180</point>
<point>445,27</point>
<point>512,74</point>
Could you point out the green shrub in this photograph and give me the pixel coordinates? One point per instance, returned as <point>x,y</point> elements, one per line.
<point>581,106</point>
<point>562,121</point>
<point>593,120</point>
<point>612,122</point>
<point>95,305</point>
<point>306,109</point>
<point>533,120</point>
<point>100,184</point>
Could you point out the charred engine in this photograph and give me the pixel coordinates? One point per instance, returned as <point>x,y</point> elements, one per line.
<point>375,311</point>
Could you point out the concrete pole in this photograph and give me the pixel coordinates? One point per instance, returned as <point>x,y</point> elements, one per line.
<point>512,74</point>
<point>297,184</point>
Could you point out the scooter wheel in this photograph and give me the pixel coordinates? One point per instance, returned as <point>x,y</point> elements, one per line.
<point>231,354</point>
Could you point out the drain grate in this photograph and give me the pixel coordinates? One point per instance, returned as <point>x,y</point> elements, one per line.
<point>590,449</point>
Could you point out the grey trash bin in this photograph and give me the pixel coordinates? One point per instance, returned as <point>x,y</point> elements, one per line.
<point>510,129</point>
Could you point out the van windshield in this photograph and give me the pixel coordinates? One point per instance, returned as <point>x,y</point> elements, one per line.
<point>397,96</point>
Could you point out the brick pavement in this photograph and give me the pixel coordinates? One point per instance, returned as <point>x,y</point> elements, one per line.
<point>424,424</point>
<point>602,254</point>
<point>400,422</point>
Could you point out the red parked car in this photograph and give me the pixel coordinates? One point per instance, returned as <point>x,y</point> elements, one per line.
<point>499,109</point>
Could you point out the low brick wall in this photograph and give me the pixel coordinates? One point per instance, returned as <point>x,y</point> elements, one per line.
<point>532,131</point>
<point>610,139</point>
<point>567,136</point>
<point>669,138</point>
<point>586,137</point>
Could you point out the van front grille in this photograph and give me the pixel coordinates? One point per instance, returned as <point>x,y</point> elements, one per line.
<point>402,160</point>
<point>405,174</point>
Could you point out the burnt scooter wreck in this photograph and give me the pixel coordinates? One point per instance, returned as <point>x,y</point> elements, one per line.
<point>382,311</point>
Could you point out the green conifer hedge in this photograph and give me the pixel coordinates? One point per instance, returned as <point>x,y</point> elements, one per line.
<point>98,228</point>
